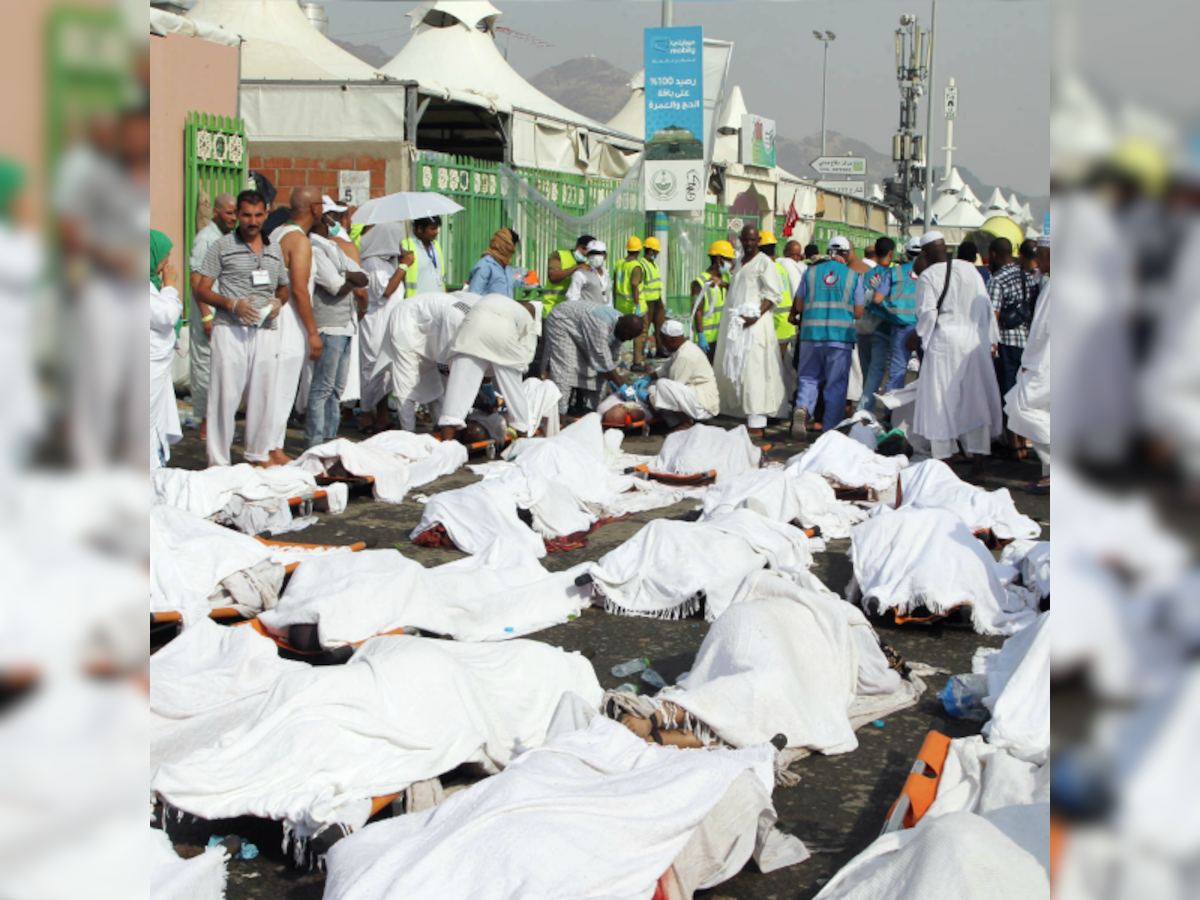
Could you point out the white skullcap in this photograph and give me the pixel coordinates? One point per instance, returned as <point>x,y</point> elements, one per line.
<point>930,237</point>
<point>837,242</point>
<point>331,205</point>
<point>596,247</point>
<point>914,246</point>
<point>672,328</point>
<point>1044,241</point>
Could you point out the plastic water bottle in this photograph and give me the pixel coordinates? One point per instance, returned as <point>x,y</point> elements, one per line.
<point>653,679</point>
<point>632,667</point>
<point>963,697</point>
<point>627,688</point>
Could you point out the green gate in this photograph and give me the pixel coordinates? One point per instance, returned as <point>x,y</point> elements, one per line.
<point>215,159</point>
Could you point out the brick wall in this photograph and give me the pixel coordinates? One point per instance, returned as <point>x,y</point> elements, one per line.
<point>287,172</point>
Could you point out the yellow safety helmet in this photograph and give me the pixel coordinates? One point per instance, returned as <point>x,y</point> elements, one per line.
<point>651,243</point>
<point>722,248</point>
<point>766,238</point>
<point>633,245</point>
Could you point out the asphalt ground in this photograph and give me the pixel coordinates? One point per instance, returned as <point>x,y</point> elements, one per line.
<point>840,802</point>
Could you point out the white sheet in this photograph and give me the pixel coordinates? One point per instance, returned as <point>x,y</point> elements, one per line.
<point>397,460</point>
<point>951,857</point>
<point>196,566</point>
<point>566,483</point>
<point>702,448</point>
<point>596,813</point>
<point>491,597</point>
<point>403,709</point>
<point>793,661</point>
<point>174,878</point>
<point>783,497</point>
<point>933,485</point>
<point>206,682</point>
<point>1018,694</point>
<point>250,499</point>
<point>911,557</point>
<point>1032,560</point>
<point>661,571</point>
<point>843,461</point>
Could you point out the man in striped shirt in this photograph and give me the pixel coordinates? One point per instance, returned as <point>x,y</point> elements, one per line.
<point>245,340</point>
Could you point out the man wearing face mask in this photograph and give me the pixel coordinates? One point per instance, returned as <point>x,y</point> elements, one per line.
<point>562,266</point>
<point>708,296</point>
<point>592,282</point>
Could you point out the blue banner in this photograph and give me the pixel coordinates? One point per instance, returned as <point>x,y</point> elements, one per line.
<point>674,93</point>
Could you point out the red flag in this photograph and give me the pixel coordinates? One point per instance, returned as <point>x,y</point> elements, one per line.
<point>792,218</point>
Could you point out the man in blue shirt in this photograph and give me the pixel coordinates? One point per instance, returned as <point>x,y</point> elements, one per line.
<point>825,310</point>
<point>493,274</point>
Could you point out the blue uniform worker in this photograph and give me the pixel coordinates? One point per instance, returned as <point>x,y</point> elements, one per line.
<point>898,306</point>
<point>827,335</point>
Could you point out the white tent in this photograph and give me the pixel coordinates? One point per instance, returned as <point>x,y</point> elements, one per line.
<point>1026,215</point>
<point>296,84</point>
<point>1014,208</point>
<point>964,214</point>
<point>969,196</point>
<point>474,94</point>
<point>996,205</point>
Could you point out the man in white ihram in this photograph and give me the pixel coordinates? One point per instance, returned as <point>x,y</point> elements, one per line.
<point>748,365</point>
<point>415,348</point>
<point>958,398</point>
<point>1028,403</point>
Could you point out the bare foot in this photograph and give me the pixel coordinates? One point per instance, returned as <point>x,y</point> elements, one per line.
<point>203,435</point>
<point>279,458</point>
<point>755,432</point>
<point>639,726</point>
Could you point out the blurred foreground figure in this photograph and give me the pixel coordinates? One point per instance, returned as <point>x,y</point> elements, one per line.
<point>20,270</point>
<point>165,310</point>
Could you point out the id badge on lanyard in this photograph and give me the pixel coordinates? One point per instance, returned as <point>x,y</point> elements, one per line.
<point>437,272</point>
<point>260,278</point>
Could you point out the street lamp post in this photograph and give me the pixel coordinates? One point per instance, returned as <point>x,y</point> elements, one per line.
<point>825,39</point>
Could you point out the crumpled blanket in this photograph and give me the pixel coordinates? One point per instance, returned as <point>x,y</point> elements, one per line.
<point>250,499</point>
<point>784,497</point>
<point>206,682</point>
<point>197,566</point>
<point>933,485</point>
<point>535,830</point>
<point>402,710</point>
<point>397,460</point>
<point>1031,559</point>
<point>928,557</point>
<point>490,597</point>
<point>844,462</point>
<point>564,482</point>
<point>174,878</point>
<point>703,448</point>
<point>670,567</point>
<point>793,660</point>
<point>1018,696</point>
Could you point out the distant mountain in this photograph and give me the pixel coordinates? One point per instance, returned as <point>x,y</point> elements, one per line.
<point>589,85</point>
<point>368,53</point>
<point>598,89</point>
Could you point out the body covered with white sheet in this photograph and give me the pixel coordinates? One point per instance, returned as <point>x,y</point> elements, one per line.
<point>402,710</point>
<point>910,558</point>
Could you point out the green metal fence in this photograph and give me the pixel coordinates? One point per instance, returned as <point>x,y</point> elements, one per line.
<point>215,160</point>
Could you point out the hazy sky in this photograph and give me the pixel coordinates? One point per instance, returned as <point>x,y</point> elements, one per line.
<point>999,52</point>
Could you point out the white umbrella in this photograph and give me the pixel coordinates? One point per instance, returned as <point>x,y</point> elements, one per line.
<point>405,206</point>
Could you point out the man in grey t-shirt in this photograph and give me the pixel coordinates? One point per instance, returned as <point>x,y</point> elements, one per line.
<point>201,316</point>
<point>245,340</point>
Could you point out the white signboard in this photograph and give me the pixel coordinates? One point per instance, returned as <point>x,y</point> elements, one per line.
<point>354,187</point>
<point>840,165</point>
<point>850,188</point>
<point>674,185</point>
<point>952,101</point>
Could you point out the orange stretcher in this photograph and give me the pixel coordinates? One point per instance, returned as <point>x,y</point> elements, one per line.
<point>488,448</point>
<point>317,501</point>
<point>921,787</point>
<point>334,656</point>
<point>928,616</point>
<point>291,567</point>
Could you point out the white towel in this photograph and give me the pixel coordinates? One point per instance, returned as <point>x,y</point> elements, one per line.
<point>785,498</point>
<point>933,485</point>
<point>845,462</point>
<point>703,448</point>
<point>398,461</point>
